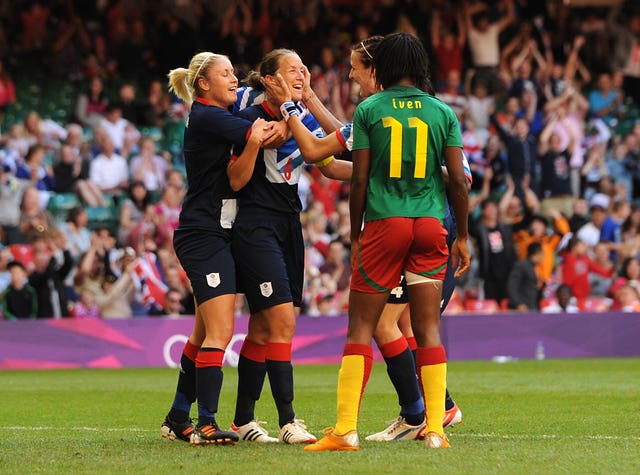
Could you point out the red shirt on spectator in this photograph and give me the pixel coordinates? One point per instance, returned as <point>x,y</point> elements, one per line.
<point>575,274</point>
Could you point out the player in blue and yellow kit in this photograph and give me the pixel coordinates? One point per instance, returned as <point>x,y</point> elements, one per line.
<point>401,136</point>
<point>202,240</point>
<point>269,252</point>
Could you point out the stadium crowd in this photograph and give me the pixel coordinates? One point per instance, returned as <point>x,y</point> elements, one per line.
<point>92,176</point>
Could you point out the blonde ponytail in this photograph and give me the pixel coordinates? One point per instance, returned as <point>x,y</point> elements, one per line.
<point>178,84</point>
<point>184,82</point>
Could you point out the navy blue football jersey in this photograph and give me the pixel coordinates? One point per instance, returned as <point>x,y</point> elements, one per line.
<point>274,184</point>
<point>210,203</point>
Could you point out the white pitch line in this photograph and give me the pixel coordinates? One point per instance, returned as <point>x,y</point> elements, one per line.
<point>453,435</point>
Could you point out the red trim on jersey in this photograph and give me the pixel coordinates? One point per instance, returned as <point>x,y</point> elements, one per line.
<point>358,349</point>
<point>234,158</point>
<point>278,351</point>
<point>394,348</point>
<point>431,356</point>
<point>268,110</point>
<point>413,344</point>
<point>203,101</point>
<point>206,359</point>
<point>248,134</point>
<point>341,138</point>
<point>253,351</point>
<point>191,350</point>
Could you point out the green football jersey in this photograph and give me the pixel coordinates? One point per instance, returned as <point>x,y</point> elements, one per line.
<point>406,131</point>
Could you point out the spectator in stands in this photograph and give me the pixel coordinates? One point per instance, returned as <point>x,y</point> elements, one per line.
<point>555,161</point>
<point>71,175</point>
<point>627,298</point>
<point>496,252</point>
<point>483,38</point>
<point>539,232</point>
<point>480,105</point>
<point>109,171</point>
<point>135,55</point>
<point>631,230</point>
<point>86,306</point>
<point>154,110</point>
<point>521,152</point>
<point>604,101</point>
<point>564,303</point>
<point>511,209</point>
<point>76,232</point>
<point>632,63</point>
<point>523,285</point>
<point>68,47</point>
<point>91,105</point>
<point>629,274</point>
<point>149,167</point>
<point>615,163</point>
<point>123,133</point>
<point>316,230</point>
<point>34,18</point>
<point>17,145</point>
<point>33,169</point>
<point>173,304</point>
<point>448,48</point>
<point>115,295</point>
<point>580,215</point>
<point>11,195</point>
<point>132,211</point>
<point>451,92</point>
<point>576,266</point>
<point>599,209</point>
<point>51,269</point>
<point>34,220</point>
<point>19,300</point>
<point>128,104</point>
<point>598,283</point>
<point>336,266</point>
<point>611,230</point>
<point>167,210</point>
<point>7,91</point>
<point>5,276</point>
<point>43,131</point>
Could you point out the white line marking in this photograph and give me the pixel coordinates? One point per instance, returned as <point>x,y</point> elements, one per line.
<point>452,434</point>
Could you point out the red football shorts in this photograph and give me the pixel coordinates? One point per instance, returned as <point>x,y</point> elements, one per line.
<point>389,246</point>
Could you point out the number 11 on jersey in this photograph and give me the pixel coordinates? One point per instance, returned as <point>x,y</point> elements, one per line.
<point>422,142</point>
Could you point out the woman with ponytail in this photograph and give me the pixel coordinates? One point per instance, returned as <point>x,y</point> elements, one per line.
<point>202,240</point>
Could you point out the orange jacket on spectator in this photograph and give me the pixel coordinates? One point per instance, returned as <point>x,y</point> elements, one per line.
<point>549,243</point>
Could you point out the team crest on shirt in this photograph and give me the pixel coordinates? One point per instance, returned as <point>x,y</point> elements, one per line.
<point>266,289</point>
<point>213,279</point>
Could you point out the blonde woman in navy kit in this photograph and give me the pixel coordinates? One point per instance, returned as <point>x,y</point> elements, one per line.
<point>203,237</point>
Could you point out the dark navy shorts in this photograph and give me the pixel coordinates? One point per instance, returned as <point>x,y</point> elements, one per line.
<point>208,262</point>
<point>269,255</point>
<point>399,295</point>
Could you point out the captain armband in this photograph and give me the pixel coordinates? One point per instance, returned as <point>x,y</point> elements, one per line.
<point>325,162</point>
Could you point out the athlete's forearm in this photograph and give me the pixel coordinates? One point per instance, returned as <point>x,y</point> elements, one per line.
<point>324,117</point>
<point>338,170</point>
<point>312,148</point>
<point>240,169</point>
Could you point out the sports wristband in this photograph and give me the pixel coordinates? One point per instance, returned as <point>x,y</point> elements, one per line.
<point>325,162</point>
<point>287,109</point>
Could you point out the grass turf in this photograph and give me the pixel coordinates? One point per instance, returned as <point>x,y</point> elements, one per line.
<point>552,416</point>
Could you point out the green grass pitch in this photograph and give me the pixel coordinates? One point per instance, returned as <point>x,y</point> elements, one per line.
<point>529,417</point>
